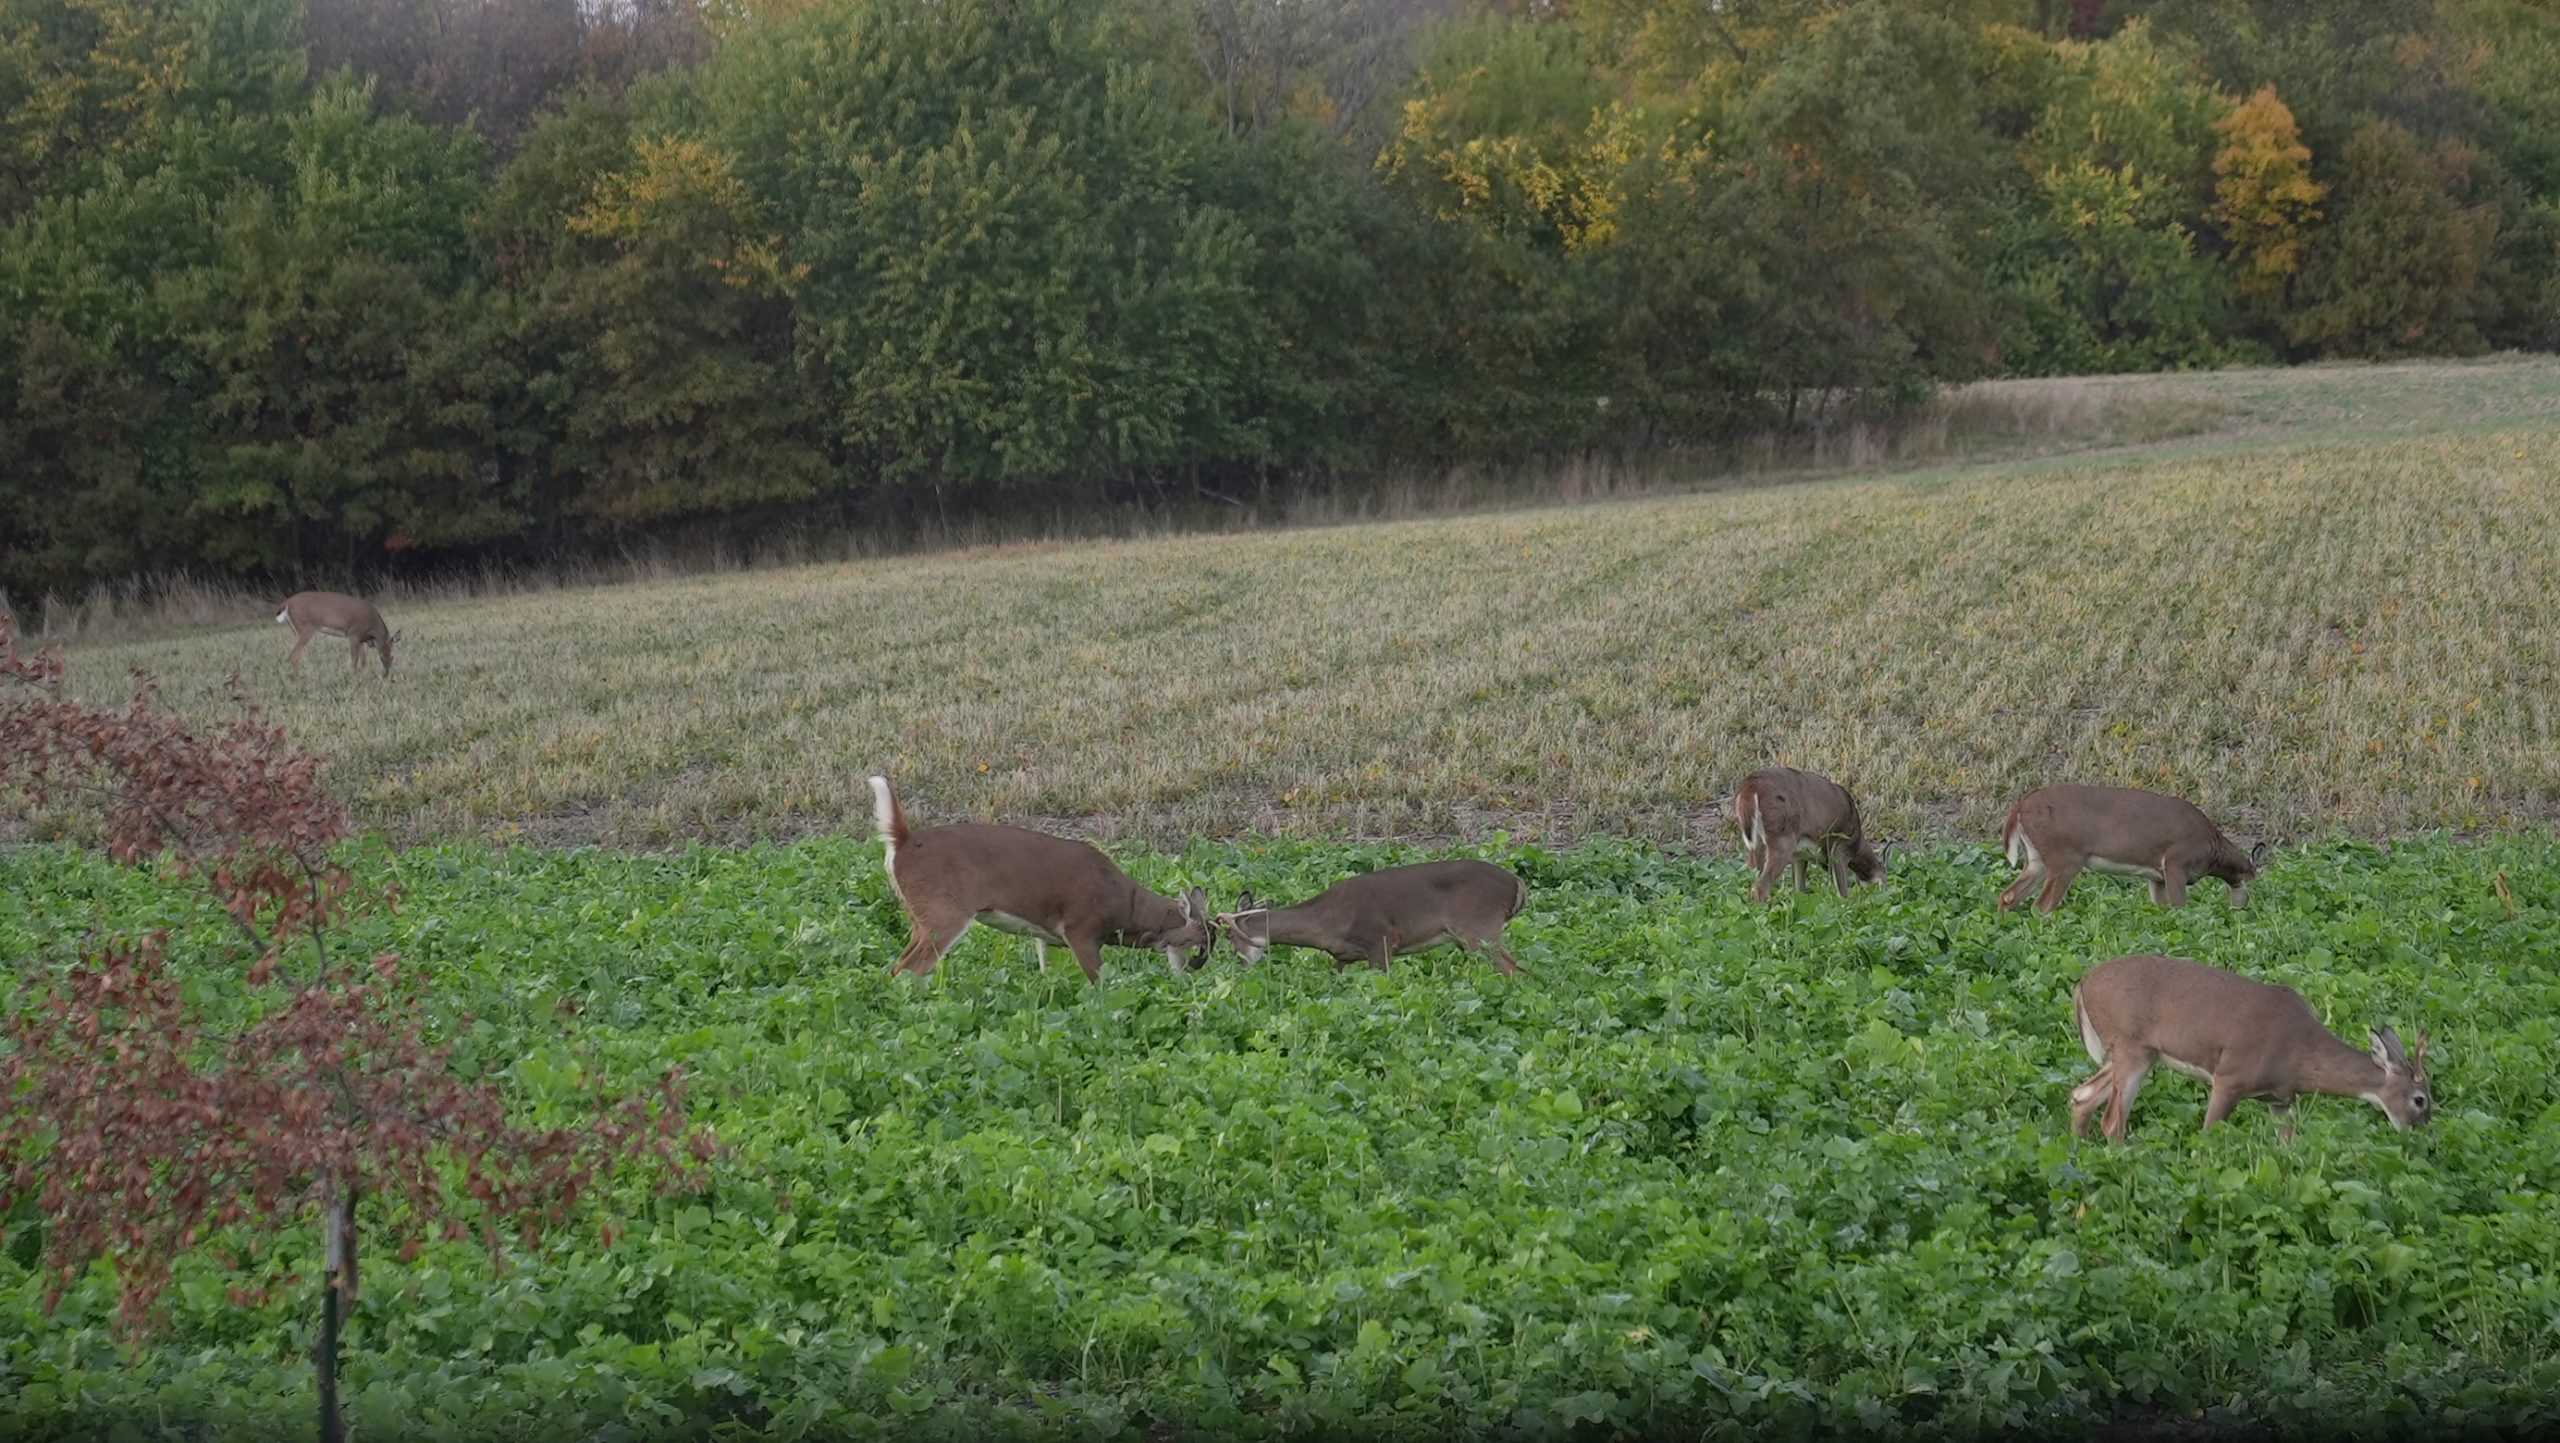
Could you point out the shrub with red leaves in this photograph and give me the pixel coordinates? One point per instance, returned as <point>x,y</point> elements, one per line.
<point>140,1132</point>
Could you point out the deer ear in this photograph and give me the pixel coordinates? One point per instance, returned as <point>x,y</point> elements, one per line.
<point>1195,904</point>
<point>2259,852</point>
<point>2387,1050</point>
<point>1245,902</point>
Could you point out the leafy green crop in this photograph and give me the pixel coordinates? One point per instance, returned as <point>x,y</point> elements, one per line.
<point>1706,1169</point>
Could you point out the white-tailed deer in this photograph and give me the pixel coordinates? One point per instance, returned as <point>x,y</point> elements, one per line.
<point>2246,1039</point>
<point>1049,889</point>
<point>310,613</point>
<point>1790,816</point>
<point>2054,832</point>
<point>1387,913</point>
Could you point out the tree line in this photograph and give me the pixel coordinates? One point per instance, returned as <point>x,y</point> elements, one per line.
<point>305,289</point>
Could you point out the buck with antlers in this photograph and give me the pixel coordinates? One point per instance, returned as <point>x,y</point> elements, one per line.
<point>2244,1038</point>
<point>310,613</point>
<point>2055,832</point>
<point>1052,890</point>
<point>1787,815</point>
<point>1389,913</point>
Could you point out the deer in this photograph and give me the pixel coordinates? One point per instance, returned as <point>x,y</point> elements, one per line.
<point>1381,915</point>
<point>2052,833</point>
<point>1054,890</point>
<point>2244,1038</point>
<point>1787,815</point>
<point>310,613</point>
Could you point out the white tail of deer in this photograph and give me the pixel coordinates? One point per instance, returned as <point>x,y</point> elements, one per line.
<point>1790,816</point>
<point>1050,889</point>
<point>310,613</point>
<point>2244,1038</point>
<point>2054,832</point>
<point>1388,913</point>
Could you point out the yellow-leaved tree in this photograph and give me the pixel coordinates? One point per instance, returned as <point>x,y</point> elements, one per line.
<point>2265,201</point>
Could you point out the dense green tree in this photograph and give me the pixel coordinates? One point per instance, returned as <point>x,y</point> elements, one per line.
<point>1013,272</point>
<point>2401,269</point>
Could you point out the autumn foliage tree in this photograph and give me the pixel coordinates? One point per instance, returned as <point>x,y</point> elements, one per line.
<point>145,1124</point>
<point>2265,199</point>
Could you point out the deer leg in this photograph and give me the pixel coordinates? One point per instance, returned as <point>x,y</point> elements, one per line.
<point>2057,885</point>
<point>301,639</point>
<point>2171,889</point>
<point>1804,870</point>
<point>2028,876</point>
<point>1040,953</point>
<point>2217,1107</point>
<point>2089,1096</point>
<point>930,940</point>
<point>1492,948</point>
<point>2284,1118</point>
<point>1088,952</point>
<point>1839,859</point>
<point>355,654</point>
<point>1773,865</point>
<point>2129,1079</point>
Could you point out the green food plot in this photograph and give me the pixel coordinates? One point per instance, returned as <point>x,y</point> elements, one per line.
<point>1706,1170</point>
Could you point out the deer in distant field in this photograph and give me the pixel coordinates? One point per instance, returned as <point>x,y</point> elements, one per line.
<point>310,613</point>
<point>2054,832</point>
<point>1052,890</point>
<point>1790,816</point>
<point>1387,913</point>
<point>2246,1039</point>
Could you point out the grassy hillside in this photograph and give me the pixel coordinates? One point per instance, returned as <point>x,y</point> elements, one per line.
<point>1706,1171</point>
<point>2340,610</point>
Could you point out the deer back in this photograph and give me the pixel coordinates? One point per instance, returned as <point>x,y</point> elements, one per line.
<point>1424,896</point>
<point>1792,803</point>
<point>1056,883</point>
<point>2118,824</point>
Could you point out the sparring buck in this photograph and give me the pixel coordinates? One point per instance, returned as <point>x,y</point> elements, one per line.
<point>1790,816</point>
<point>2246,1039</point>
<point>1387,913</point>
<point>1052,890</point>
<point>310,613</point>
<point>2055,832</point>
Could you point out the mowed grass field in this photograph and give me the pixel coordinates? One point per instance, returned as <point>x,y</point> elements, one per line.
<point>2338,612</point>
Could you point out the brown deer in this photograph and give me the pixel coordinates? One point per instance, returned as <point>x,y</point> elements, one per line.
<point>1049,889</point>
<point>310,613</point>
<point>1387,913</point>
<point>2247,1039</point>
<point>1790,816</point>
<point>2054,832</point>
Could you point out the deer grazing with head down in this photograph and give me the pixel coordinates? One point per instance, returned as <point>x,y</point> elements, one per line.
<point>1052,890</point>
<point>1387,913</point>
<point>2244,1038</point>
<point>310,613</point>
<point>2052,833</point>
<point>1790,816</point>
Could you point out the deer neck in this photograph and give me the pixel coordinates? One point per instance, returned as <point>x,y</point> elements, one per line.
<point>2338,1069</point>
<point>1304,926</point>
<point>1145,916</point>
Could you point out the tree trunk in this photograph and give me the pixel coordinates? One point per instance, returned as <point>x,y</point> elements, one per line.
<point>337,1292</point>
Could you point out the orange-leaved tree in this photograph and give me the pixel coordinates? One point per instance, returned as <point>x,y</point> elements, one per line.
<point>2265,201</point>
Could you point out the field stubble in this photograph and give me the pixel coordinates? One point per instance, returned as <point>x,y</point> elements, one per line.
<point>2304,635</point>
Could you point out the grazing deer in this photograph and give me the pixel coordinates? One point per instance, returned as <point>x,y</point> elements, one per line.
<point>1049,889</point>
<point>1792,816</point>
<point>1387,913</point>
<point>2246,1039</point>
<point>2054,832</point>
<point>313,612</point>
